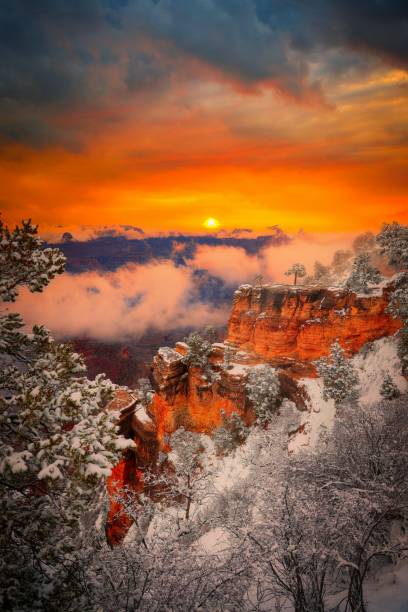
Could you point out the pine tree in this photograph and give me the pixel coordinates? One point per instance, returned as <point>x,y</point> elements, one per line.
<point>393,242</point>
<point>339,377</point>
<point>362,274</point>
<point>262,390</point>
<point>24,263</point>
<point>57,443</point>
<point>199,349</point>
<point>389,389</point>
<point>298,270</point>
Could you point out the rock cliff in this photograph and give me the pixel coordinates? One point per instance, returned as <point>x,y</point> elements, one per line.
<point>286,326</point>
<point>281,322</point>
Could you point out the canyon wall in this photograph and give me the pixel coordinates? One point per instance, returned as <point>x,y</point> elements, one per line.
<point>281,322</point>
<point>285,326</point>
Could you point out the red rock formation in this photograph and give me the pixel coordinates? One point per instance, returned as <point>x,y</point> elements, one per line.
<point>280,322</point>
<point>128,473</point>
<point>125,475</point>
<point>286,326</point>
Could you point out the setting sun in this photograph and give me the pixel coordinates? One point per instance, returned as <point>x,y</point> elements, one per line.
<point>211,223</point>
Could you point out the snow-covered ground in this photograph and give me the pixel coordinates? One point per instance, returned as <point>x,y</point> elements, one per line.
<point>372,364</point>
<point>385,592</point>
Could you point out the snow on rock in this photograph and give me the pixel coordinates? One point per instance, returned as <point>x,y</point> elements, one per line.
<point>237,369</point>
<point>169,355</point>
<point>142,415</point>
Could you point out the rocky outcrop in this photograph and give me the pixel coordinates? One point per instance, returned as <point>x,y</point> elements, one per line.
<point>281,322</point>
<point>288,327</point>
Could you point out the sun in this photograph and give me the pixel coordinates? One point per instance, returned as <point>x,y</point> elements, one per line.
<point>211,223</point>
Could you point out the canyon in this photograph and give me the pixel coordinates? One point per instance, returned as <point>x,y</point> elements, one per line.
<point>285,326</point>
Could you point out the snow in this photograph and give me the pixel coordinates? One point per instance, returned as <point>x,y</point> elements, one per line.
<point>237,369</point>
<point>215,541</point>
<point>373,365</point>
<point>142,415</point>
<point>96,470</point>
<point>319,418</point>
<point>50,471</point>
<point>121,443</point>
<point>169,355</point>
<point>16,462</point>
<point>76,397</point>
<point>231,469</point>
<point>219,345</point>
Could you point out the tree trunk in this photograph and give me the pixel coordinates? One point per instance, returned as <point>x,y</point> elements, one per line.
<point>355,600</point>
<point>296,275</point>
<point>188,498</point>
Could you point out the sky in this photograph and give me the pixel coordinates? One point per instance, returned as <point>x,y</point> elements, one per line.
<point>162,113</point>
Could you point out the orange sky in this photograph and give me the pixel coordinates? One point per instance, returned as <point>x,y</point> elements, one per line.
<point>206,145</point>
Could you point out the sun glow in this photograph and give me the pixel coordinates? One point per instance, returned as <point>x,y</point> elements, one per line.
<point>211,223</point>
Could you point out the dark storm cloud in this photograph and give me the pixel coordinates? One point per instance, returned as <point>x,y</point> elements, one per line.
<point>378,27</point>
<point>56,54</point>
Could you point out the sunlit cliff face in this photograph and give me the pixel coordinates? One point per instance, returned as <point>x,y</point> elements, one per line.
<point>285,326</point>
<point>163,114</point>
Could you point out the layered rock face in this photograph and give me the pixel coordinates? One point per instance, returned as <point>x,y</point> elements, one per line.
<point>288,327</point>
<point>195,398</point>
<point>281,322</point>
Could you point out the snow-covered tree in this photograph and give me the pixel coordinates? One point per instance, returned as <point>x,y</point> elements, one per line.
<point>297,270</point>
<point>339,377</point>
<point>389,389</point>
<point>363,470</point>
<point>183,478</point>
<point>231,434</point>
<point>258,280</point>
<point>262,391</point>
<point>57,442</point>
<point>362,274</point>
<point>199,349</point>
<point>186,458</point>
<point>23,262</point>
<point>144,391</point>
<point>393,242</point>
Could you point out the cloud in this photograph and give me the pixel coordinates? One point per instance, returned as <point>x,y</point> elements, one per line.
<point>305,248</point>
<point>63,55</point>
<point>122,304</point>
<point>164,296</point>
<point>234,265</point>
